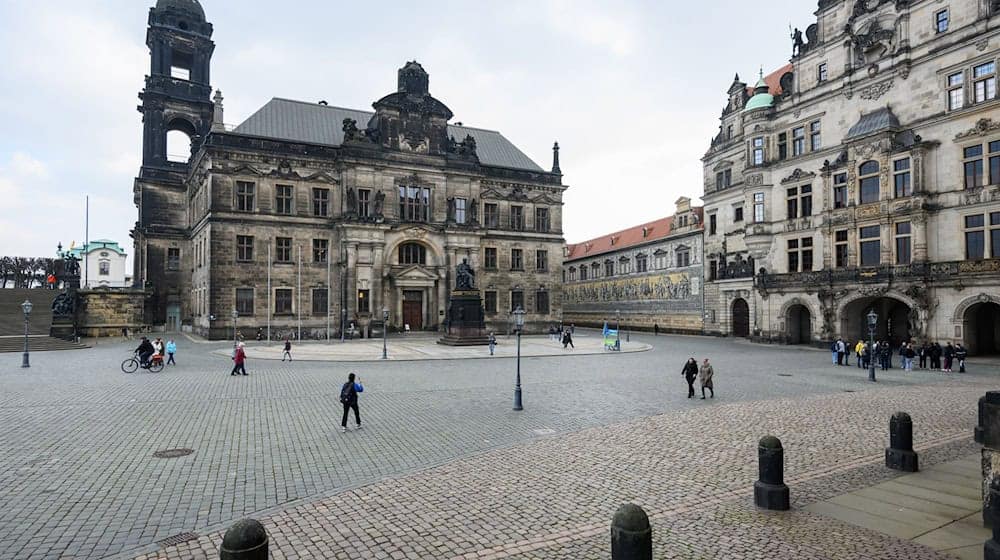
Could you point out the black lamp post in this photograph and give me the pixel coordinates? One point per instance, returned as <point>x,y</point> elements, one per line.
<point>519,326</point>
<point>385,328</point>
<point>235,316</point>
<point>26,307</point>
<point>872,322</point>
<point>618,328</point>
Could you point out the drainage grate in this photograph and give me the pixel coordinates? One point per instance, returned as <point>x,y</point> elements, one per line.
<point>172,453</point>
<point>177,539</point>
<point>784,375</point>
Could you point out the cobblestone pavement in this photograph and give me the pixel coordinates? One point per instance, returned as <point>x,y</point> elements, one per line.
<point>444,467</point>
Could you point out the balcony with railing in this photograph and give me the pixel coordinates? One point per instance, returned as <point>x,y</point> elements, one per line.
<point>883,273</point>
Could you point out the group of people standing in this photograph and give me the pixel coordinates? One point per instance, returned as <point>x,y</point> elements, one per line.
<point>148,348</point>
<point>940,357</point>
<point>703,374</point>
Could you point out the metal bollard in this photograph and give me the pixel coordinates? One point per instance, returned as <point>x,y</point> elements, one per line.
<point>770,491</point>
<point>245,540</point>
<point>899,455</point>
<point>991,548</point>
<point>631,535</point>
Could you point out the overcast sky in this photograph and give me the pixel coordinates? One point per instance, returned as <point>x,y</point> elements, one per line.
<point>631,90</point>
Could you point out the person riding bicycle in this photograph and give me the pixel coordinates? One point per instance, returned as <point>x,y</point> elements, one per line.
<point>145,350</point>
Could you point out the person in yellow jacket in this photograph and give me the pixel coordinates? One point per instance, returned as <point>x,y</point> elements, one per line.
<point>858,349</point>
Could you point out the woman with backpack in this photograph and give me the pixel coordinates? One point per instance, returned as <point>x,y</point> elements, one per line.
<point>349,398</point>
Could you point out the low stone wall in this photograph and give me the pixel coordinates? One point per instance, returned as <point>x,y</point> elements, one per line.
<point>107,312</point>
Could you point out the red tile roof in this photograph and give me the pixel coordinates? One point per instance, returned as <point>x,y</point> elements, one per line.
<point>655,230</point>
<point>773,80</point>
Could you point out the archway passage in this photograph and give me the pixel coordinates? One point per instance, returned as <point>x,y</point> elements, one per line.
<point>982,329</point>
<point>893,320</point>
<point>798,324</point>
<point>741,318</point>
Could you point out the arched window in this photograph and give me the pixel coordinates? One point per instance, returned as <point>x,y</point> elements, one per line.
<point>412,253</point>
<point>178,146</point>
<point>868,182</point>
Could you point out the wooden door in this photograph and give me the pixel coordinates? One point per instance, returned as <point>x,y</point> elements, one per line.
<point>741,318</point>
<point>413,310</point>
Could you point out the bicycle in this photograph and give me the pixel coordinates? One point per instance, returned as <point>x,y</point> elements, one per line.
<point>132,364</point>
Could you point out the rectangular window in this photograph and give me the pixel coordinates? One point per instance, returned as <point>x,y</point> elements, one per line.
<point>516,300</point>
<point>738,214</point>
<point>321,202</point>
<point>869,182</point>
<point>516,260</point>
<point>815,136</point>
<point>941,21</point>
<point>491,215</point>
<point>984,82</point>
<point>244,301</point>
<point>870,245</point>
<point>800,254</point>
<point>718,181</point>
<point>244,248</point>
<point>713,272</point>
<point>758,207</point>
<point>798,141</point>
<point>542,220</point>
<point>840,248</point>
<point>609,269</point>
<point>173,259</point>
<point>490,301</point>
<point>995,235</point>
<point>973,166</point>
<point>956,91</point>
<point>806,200</point>
<point>283,301</point>
<point>320,298</point>
<point>364,301</point>
<point>460,210</point>
<point>793,203</point>
<point>758,150</point>
<point>807,254</point>
<point>244,196</point>
<point>782,145</point>
<point>542,261</point>
<point>712,224</point>
<point>641,264</point>
<point>283,199</point>
<point>414,204</point>
<point>727,178</point>
<point>901,178</point>
<point>364,203</point>
<point>903,243</point>
<point>104,268</point>
<point>821,73</point>
<point>840,190</point>
<point>975,237</point>
<point>995,162</point>
<point>793,255</point>
<point>517,218</point>
<point>542,302</point>
<point>490,258</point>
<point>320,250</point>
<point>683,258</point>
<point>283,249</point>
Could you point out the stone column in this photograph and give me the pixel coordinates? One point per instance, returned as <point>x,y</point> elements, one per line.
<point>352,281</point>
<point>376,286</point>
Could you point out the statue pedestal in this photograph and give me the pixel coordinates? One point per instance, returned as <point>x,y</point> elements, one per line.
<point>466,320</point>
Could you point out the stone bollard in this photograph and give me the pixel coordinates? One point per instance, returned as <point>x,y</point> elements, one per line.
<point>245,540</point>
<point>991,548</point>
<point>899,455</point>
<point>631,535</point>
<point>987,433</point>
<point>770,491</point>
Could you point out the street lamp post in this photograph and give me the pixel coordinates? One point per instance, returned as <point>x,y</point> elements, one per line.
<point>385,329</point>
<point>236,315</point>
<point>618,329</point>
<point>26,307</point>
<point>519,326</point>
<point>872,322</point>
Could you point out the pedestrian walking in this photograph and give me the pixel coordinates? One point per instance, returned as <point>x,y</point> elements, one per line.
<point>656,329</point>
<point>288,350</point>
<point>239,360</point>
<point>841,352</point>
<point>349,398</point>
<point>171,350</point>
<point>857,350</point>
<point>690,373</point>
<point>884,354</point>
<point>935,356</point>
<point>493,343</point>
<point>705,374</point>
<point>922,354</point>
<point>833,352</point>
<point>960,354</point>
<point>949,356</point>
<point>567,339</point>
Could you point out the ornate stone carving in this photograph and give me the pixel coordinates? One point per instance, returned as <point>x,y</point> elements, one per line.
<point>982,44</point>
<point>798,175</point>
<point>755,180</point>
<point>869,211</point>
<point>873,291</point>
<point>983,127</point>
<point>875,91</point>
<point>465,277</point>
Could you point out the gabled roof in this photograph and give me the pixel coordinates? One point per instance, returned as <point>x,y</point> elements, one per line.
<point>312,123</point>
<point>655,230</point>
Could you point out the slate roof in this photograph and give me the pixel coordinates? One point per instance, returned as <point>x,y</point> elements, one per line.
<point>299,121</point>
<point>877,121</point>
<point>655,230</point>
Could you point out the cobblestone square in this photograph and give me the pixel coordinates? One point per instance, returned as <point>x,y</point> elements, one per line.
<point>444,468</point>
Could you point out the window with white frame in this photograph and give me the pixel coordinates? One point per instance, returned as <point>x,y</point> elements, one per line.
<point>758,150</point>
<point>798,141</point>
<point>941,21</point>
<point>821,73</point>
<point>902,185</point>
<point>758,207</point>
<point>815,136</point>
<point>984,82</point>
<point>956,91</point>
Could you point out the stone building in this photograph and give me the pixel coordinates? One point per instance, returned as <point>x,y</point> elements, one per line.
<point>650,274</point>
<point>863,175</point>
<point>307,216</point>
<point>102,264</point>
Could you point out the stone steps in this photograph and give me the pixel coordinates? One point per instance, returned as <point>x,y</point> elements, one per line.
<point>37,343</point>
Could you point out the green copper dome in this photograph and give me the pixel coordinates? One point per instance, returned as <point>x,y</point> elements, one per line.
<point>761,98</point>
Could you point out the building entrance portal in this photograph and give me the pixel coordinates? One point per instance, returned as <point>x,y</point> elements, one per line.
<point>741,318</point>
<point>799,325</point>
<point>413,309</point>
<point>893,320</point>
<point>982,329</point>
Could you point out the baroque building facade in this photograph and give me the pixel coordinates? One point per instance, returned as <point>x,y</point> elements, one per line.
<point>864,175</point>
<point>647,277</point>
<point>307,217</point>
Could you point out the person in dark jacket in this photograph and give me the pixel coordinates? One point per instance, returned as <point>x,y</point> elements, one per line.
<point>145,350</point>
<point>349,398</point>
<point>287,353</point>
<point>690,373</point>
<point>922,353</point>
<point>960,354</point>
<point>239,360</point>
<point>935,352</point>
<point>949,356</point>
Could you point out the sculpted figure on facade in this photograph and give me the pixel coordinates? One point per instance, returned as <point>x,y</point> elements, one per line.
<point>379,204</point>
<point>465,277</point>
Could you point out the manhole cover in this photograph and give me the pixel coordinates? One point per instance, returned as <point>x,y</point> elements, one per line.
<point>172,453</point>
<point>784,375</point>
<point>179,538</point>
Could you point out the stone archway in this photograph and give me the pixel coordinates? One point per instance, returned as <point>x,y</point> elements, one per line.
<point>981,328</point>
<point>895,319</point>
<point>798,324</point>
<point>740,318</point>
